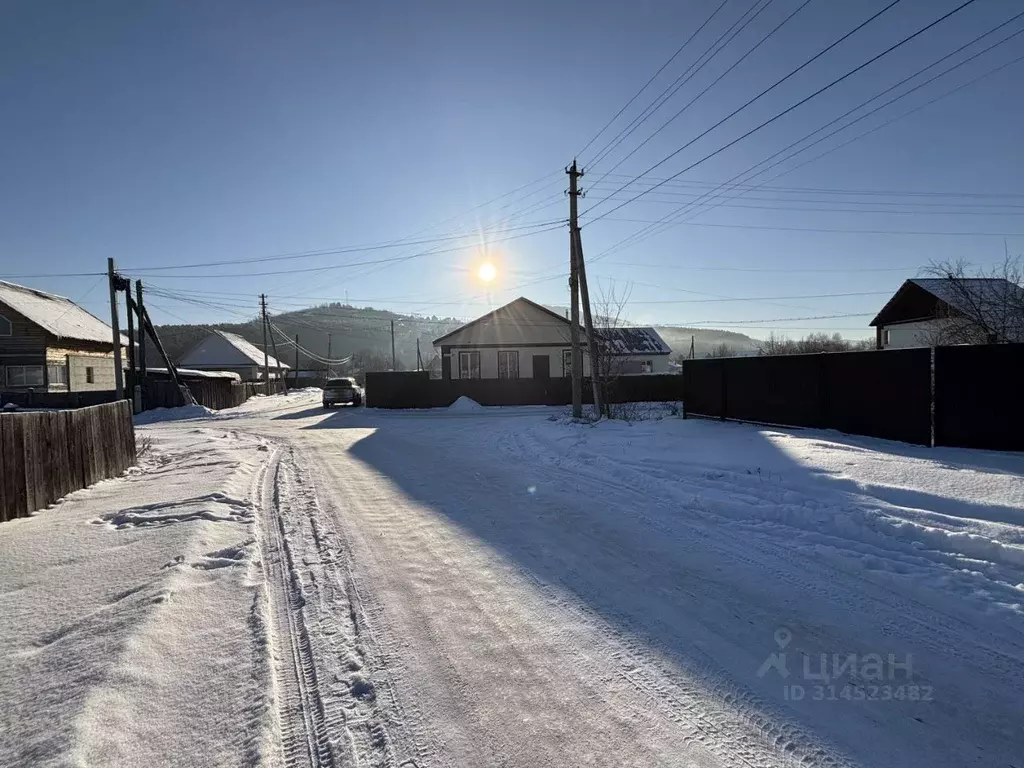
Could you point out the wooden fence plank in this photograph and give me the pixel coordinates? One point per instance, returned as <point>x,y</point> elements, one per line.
<point>3,471</point>
<point>14,459</point>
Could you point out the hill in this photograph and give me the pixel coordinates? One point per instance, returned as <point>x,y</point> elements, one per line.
<point>336,331</point>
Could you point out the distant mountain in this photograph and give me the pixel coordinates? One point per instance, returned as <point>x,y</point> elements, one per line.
<point>336,331</point>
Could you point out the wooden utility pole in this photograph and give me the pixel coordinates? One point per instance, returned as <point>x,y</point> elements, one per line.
<point>574,297</point>
<point>266,361</point>
<point>593,342</point>
<point>129,307</point>
<point>419,357</point>
<point>692,338</point>
<point>142,336</point>
<point>115,326</point>
<point>329,355</point>
<point>277,361</point>
<point>296,360</point>
<point>394,364</point>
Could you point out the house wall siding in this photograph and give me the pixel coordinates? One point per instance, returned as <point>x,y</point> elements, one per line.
<point>102,369</point>
<point>489,360</point>
<point>27,343</point>
<point>907,335</point>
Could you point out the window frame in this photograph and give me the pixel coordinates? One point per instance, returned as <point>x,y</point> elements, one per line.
<point>566,363</point>
<point>470,355</point>
<point>23,370</point>
<point>510,354</point>
<point>90,374</point>
<point>61,369</point>
<point>10,326</point>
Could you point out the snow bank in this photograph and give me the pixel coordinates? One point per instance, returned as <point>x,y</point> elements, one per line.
<point>132,630</point>
<point>465,405</point>
<point>174,414</point>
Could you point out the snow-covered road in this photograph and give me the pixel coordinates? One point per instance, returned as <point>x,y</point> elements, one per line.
<point>503,587</point>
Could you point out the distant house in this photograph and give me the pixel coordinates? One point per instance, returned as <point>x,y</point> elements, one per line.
<point>223,351</point>
<point>929,311</point>
<point>50,344</point>
<point>523,340</point>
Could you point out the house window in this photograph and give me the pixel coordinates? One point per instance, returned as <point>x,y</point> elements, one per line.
<point>646,366</point>
<point>469,365</point>
<point>567,362</point>
<point>90,375</point>
<point>886,338</point>
<point>25,375</point>
<point>508,365</point>
<point>57,373</point>
<point>5,326</point>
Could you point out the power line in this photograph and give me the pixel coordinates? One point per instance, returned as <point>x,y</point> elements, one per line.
<point>799,103</point>
<point>393,259</point>
<point>720,191</point>
<point>713,83</point>
<point>817,229</point>
<point>688,74</point>
<point>652,78</point>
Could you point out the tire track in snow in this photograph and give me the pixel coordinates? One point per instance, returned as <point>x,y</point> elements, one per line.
<point>326,706</point>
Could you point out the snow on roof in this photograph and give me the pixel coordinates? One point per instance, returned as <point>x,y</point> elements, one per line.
<point>56,315</point>
<point>634,341</point>
<point>250,350</point>
<point>980,290</point>
<point>197,374</point>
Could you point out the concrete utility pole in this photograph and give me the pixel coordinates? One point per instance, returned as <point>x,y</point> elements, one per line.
<point>115,326</point>
<point>266,361</point>
<point>394,364</point>
<point>574,298</point>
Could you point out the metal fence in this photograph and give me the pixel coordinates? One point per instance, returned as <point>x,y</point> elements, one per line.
<point>965,396</point>
<point>48,454</point>
<point>415,389</point>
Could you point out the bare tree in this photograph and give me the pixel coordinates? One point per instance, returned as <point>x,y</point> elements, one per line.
<point>986,307</point>
<point>609,315</point>
<point>722,350</point>
<point>812,343</point>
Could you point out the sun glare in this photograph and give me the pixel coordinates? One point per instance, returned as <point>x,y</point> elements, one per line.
<point>486,272</point>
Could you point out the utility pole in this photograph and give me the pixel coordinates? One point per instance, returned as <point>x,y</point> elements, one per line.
<point>142,336</point>
<point>277,362</point>
<point>113,278</point>
<point>296,360</point>
<point>692,337</point>
<point>419,357</point>
<point>129,307</point>
<point>593,342</point>
<point>266,361</point>
<point>394,365</point>
<point>329,355</point>
<point>574,298</point>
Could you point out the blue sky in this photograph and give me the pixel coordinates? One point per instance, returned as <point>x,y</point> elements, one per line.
<point>173,133</point>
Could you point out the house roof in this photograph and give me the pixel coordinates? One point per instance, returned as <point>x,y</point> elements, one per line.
<point>964,295</point>
<point>634,341</point>
<point>490,315</point>
<point>250,350</point>
<point>56,315</point>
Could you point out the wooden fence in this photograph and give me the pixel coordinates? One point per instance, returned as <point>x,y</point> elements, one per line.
<point>46,455</point>
<point>213,393</point>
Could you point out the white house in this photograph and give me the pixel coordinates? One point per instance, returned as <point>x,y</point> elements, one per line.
<point>523,340</point>
<point>929,311</point>
<point>223,351</point>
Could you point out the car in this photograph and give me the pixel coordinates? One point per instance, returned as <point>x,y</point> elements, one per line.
<point>342,391</point>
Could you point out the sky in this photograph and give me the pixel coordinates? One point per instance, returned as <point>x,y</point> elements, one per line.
<point>387,139</point>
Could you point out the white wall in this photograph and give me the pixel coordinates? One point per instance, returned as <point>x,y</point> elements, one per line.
<point>906,335</point>
<point>489,360</point>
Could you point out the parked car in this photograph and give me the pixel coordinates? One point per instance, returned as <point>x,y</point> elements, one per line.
<point>343,391</point>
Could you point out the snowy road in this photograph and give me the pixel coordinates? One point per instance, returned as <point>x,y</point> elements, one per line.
<point>499,588</point>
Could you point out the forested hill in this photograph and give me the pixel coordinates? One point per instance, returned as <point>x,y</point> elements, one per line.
<point>366,333</point>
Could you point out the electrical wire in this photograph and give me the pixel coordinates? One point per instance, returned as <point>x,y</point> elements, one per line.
<point>711,85</point>
<point>661,69</point>
<point>790,108</point>
<point>721,191</point>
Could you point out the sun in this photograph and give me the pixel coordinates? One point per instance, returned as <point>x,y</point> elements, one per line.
<point>486,272</point>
